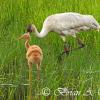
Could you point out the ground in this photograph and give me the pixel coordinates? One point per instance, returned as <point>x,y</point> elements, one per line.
<point>79,71</point>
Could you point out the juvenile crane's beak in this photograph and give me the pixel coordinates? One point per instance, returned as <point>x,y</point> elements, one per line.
<point>26,36</point>
<point>21,37</point>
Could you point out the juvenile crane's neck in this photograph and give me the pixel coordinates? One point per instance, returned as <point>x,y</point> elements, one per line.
<point>42,34</point>
<point>27,45</point>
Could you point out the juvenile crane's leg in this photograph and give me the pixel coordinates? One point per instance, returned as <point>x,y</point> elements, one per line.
<point>38,71</point>
<point>30,81</point>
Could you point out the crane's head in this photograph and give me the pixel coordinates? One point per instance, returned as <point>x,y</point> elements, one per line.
<point>30,28</point>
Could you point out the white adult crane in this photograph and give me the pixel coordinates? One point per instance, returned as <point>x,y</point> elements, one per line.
<point>66,24</point>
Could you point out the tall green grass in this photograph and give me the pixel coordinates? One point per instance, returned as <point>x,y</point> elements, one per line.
<point>79,71</point>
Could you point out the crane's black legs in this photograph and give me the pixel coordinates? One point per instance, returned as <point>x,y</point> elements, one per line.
<point>66,45</point>
<point>66,48</point>
<point>80,42</point>
<point>66,51</point>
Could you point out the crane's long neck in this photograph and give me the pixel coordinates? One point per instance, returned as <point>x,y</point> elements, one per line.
<point>43,32</point>
<point>27,45</point>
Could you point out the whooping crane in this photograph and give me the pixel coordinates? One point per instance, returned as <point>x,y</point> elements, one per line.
<point>66,24</point>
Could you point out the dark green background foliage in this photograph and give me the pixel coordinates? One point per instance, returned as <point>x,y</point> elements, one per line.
<point>79,71</point>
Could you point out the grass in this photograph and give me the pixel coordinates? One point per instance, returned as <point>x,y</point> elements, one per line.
<point>80,71</point>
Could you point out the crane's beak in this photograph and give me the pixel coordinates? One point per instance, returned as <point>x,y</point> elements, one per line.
<point>25,36</point>
<point>21,37</point>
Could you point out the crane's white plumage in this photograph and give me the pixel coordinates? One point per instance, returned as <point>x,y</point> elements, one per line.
<point>67,24</point>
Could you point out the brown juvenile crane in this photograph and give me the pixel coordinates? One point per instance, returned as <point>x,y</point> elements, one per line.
<point>34,55</point>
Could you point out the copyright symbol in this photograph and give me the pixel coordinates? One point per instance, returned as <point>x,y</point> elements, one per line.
<point>46,91</point>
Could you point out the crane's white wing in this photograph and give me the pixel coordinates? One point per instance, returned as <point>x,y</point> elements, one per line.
<point>70,22</point>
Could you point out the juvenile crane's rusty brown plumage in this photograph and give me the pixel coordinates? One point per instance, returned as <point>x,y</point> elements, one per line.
<point>34,55</point>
